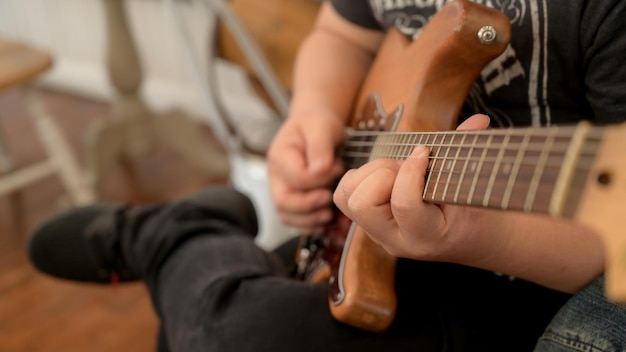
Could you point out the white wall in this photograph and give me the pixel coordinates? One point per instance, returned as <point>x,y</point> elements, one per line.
<point>75,32</point>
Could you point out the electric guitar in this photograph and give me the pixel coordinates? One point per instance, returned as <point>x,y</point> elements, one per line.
<point>424,83</point>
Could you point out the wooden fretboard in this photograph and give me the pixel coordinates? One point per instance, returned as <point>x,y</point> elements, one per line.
<point>539,170</point>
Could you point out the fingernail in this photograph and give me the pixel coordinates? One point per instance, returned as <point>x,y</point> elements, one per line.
<point>420,151</point>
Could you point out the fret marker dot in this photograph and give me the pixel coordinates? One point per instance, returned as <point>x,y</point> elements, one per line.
<point>604,179</point>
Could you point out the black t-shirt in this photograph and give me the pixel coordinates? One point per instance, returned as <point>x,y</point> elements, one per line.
<point>565,61</point>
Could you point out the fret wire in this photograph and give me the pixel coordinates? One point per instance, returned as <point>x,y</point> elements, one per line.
<point>534,184</point>
<point>386,139</point>
<point>494,171</point>
<point>595,133</point>
<point>407,142</point>
<point>397,146</point>
<point>563,131</point>
<point>434,191</point>
<point>478,169</point>
<point>422,142</point>
<point>454,160</point>
<point>522,208</point>
<point>544,162</point>
<point>430,167</point>
<point>406,147</point>
<point>401,149</point>
<point>415,140</point>
<point>381,148</point>
<point>585,151</point>
<point>555,131</point>
<point>556,146</point>
<point>375,149</point>
<point>469,155</point>
<point>386,150</point>
<point>526,162</point>
<point>534,146</point>
<point>359,154</point>
<point>514,172</point>
<point>585,166</point>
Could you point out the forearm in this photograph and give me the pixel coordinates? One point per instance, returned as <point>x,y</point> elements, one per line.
<point>330,66</point>
<point>552,252</point>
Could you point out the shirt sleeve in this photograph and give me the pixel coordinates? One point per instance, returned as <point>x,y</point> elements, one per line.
<point>358,12</point>
<point>603,36</point>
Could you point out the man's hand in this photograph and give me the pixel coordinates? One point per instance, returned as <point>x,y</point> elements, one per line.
<point>384,197</point>
<point>302,168</point>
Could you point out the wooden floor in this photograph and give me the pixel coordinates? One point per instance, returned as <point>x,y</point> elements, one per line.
<point>38,313</point>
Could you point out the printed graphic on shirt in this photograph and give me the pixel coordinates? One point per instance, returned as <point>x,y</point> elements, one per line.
<point>508,72</point>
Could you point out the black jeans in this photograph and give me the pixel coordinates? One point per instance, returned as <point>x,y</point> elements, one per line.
<point>214,289</point>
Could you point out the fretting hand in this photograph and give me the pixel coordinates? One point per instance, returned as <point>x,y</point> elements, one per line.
<point>384,197</point>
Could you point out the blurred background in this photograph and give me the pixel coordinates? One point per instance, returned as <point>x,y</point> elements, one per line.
<point>133,101</point>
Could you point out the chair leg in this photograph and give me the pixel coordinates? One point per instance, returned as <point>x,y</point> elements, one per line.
<point>134,129</point>
<point>6,163</point>
<point>58,151</point>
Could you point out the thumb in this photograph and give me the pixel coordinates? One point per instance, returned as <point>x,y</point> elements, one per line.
<point>475,122</point>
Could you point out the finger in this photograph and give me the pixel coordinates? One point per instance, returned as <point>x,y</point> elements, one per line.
<point>474,122</point>
<point>290,168</point>
<point>289,157</point>
<point>287,164</point>
<point>296,201</point>
<point>352,178</point>
<point>309,221</point>
<point>366,201</point>
<point>407,194</point>
<point>321,143</point>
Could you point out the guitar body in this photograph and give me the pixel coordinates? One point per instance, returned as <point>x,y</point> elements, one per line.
<point>418,85</point>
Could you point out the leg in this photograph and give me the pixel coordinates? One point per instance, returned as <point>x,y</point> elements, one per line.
<point>214,289</point>
<point>587,322</point>
<point>220,292</point>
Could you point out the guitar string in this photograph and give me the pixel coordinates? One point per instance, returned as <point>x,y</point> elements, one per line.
<point>563,131</point>
<point>401,151</point>
<point>561,143</point>
<point>587,155</point>
<point>562,138</point>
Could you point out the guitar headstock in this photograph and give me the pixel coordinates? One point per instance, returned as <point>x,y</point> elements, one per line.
<point>602,206</point>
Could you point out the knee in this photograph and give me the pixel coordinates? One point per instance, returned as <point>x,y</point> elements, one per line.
<point>228,204</point>
<point>588,321</point>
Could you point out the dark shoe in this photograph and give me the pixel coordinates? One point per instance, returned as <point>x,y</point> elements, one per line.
<point>81,245</point>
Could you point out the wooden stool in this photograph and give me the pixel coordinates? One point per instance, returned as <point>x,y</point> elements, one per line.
<point>20,65</point>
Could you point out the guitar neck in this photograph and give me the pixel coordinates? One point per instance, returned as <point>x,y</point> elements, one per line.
<point>540,170</point>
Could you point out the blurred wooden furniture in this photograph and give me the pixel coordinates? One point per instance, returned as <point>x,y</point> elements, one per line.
<point>20,65</point>
<point>262,38</point>
<point>134,130</point>
<point>276,26</point>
